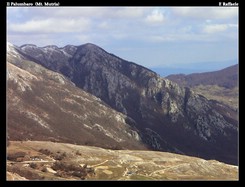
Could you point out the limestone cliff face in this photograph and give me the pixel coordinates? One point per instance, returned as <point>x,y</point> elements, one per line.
<point>167,116</point>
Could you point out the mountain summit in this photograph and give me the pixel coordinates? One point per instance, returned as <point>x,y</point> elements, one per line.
<point>166,116</point>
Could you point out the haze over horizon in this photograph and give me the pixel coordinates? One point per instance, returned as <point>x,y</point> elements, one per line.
<point>154,37</point>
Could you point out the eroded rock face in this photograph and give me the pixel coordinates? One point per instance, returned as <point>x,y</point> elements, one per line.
<point>175,113</point>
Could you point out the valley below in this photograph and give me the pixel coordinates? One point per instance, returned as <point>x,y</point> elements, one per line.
<point>42,160</point>
<point>227,96</point>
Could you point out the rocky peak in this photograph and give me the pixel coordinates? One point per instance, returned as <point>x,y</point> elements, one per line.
<point>54,47</point>
<point>90,46</point>
<point>69,49</point>
<point>93,53</point>
<point>11,48</point>
<point>28,46</point>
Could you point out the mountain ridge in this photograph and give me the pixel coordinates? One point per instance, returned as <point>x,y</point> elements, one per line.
<point>226,77</point>
<point>168,117</point>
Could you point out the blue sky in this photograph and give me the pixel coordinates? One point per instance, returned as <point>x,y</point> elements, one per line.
<point>149,36</point>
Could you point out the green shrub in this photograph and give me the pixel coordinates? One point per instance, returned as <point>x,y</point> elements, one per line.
<point>44,169</point>
<point>73,169</point>
<point>33,165</point>
<point>45,152</point>
<point>18,156</point>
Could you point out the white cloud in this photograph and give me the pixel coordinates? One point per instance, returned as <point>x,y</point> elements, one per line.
<point>90,12</point>
<point>206,12</point>
<point>173,38</point>
<point>128,12</point>
<point>51,25</point>
<point>224,12</point>
<point>155,17</point>
<point>216,28</point>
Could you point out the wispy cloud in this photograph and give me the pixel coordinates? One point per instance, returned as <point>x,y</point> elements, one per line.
<point>155,17</point>
<point>206,12</point>
<point>127,12</point>
<point>217,28</point>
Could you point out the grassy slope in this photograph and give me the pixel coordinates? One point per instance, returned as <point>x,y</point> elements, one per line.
<point>224,95</point>
<point>107,164</point>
